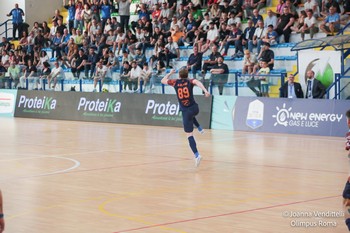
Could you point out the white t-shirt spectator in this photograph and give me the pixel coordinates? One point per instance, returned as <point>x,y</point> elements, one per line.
<point>58,71</point>
<point>135,72</point>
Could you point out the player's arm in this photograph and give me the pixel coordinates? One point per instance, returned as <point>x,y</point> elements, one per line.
<point>201,86</point>
<point>166,77</point>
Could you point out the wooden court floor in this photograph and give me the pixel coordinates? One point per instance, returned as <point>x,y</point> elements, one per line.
<point>79,177</point>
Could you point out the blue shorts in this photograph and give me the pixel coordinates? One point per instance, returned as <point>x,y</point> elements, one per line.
<point>346,192</point>
<point>187,117</point>
<point>264,88</point>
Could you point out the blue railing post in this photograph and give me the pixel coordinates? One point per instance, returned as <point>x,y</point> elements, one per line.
<point>62,83</point>
<point>141,86</point>
<point>163,88</point>
<point>120,86</point>
<point>337,86</point>
<point>81,85</point>
<point>99,85</point>
<point>237,76</point>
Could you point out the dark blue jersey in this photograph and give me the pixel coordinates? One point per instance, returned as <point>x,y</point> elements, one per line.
<point>184,91</point>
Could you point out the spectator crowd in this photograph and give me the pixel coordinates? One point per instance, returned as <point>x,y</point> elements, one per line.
<point>92,42</point>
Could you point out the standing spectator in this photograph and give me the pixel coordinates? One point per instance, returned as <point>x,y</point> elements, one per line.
<point>87,16</point>
<point>314,89</point>
<point>78,19</point>
<point>106,9</point>
<point>17,21</point>
<point>57,16</point>
<point>264,80</point>
<point>309,25</point>
<point>331,24</point>
<point>291,89</point>
<point>95,10</point>
<point>284,24</point>
<point>71,13</point>
<point>219,75</point>
<point>124,13</point>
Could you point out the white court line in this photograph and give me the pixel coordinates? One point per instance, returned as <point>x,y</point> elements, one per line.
<point>76,165</point>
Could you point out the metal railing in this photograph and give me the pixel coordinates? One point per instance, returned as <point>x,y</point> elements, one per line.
<point>336,86</point>
<point>7,27</point>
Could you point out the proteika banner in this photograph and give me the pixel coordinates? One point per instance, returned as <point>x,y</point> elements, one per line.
<point>143,109</point>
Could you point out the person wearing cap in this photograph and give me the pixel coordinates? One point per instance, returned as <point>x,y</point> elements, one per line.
<point>291,89</point>
<point>267,55</point>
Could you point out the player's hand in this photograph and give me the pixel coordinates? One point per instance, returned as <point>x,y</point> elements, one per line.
<point>172,71</point>
<point>206,94</point>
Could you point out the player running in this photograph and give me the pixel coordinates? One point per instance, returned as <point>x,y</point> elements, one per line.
<point>188,106</point>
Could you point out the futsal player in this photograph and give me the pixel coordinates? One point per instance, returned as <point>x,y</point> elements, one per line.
<point>346,192</point>
<point>2,222</point>
<point>188,106</point>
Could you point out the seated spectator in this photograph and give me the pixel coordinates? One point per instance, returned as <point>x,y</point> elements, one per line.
<point>5,59</point>
<point>39,41</point>
<point>157,75</point>
<point>177,35</point>
<point>120,42</point>
<point>284,24</point>
<point>194,62</point>
<point>56,74</point>
<point>14,73</point>
<point>270,19</point>
<point>3,83</point>
<point>315,89</point>
<point>312,5</point>
<point>257,41</point>
<point>248,34</point>
<point>345,15</point>
<point>234,19</point>
<point>44,73</point>
<point>258,5</point>
<point>291,89</point>
<point>299,22</point>
<point>235,38</point>
<point>55,45</point>
<point>267,55</point>
<point>113,62</point>
<point>99,74</point>
<point>327,4</point>
<point>309,25</point>
<point>256,17</point>
<point>271,36</point>
<point>249,63</point>
<point>43,58</point>
<point>91,61</point>
<point>135,74</point>
<point>171,51</point>
<point>125,74</point>
<point>331,24</point>
<point>212,61</point>
<point>145,76</point>
<point>219,75</point>
<point>292,8</point>
<point>78,63</point>
<point>30,73</point>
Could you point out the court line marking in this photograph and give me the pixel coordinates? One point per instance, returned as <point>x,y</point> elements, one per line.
<point>76,164</point>
<point>226,214</point>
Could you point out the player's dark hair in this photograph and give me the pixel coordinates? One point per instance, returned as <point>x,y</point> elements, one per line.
<point>183,73</point>
<point>348,114</point>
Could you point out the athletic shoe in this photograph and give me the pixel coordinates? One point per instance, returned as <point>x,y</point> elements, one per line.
<point>200,130</point>
<point>197,160</point>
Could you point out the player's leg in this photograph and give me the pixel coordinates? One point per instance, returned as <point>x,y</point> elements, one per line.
<point>346,203</point>
<point>188,117</point>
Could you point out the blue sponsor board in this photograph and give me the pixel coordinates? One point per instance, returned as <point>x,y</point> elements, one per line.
<point>143,109</point>
<point>7,102</point>
<point>296,116</point>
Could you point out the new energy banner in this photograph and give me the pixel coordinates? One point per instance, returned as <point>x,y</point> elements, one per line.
<point>143,109</point>
<point>296,116</point>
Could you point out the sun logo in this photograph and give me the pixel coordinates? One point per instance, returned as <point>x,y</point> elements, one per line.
<point>282,115</point>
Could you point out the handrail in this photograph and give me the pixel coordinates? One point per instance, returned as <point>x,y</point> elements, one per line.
<point>6,27</point>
